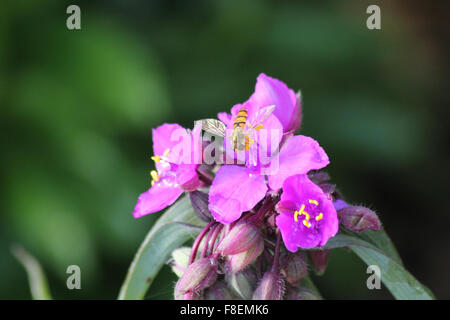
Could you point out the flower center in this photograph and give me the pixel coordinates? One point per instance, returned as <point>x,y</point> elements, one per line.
<point>306,221</point>
<point>154,174</point>
<point>158,158</point>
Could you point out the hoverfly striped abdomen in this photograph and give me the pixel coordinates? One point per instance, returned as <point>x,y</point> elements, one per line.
<point>241,118</point>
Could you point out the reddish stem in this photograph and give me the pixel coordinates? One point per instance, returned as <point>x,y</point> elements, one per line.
<point>212,240</point>
<point>198,240</point>
<point>207,240</point>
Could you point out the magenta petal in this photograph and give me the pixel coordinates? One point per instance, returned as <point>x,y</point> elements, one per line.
<point>285,223</point>
<point>224,117</point>
<point>296,119</point>
<point>158,197</point>
<point>235,190</point>
<point>298,155</point>
<point>186,176</point>
<point>163,137</point>
<point>174,143</point>
<point>270,91</point>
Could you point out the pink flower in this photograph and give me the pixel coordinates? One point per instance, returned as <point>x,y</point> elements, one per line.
<point>307,216</point>
<point>177,156</point>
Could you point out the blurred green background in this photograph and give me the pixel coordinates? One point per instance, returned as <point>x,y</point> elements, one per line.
<point>77,108</point>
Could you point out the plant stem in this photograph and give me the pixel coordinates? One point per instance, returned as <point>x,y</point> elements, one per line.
<point>198,240</point>
<point>212,240</point>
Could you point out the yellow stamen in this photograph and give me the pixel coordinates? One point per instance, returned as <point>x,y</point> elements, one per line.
<point>314,202</point>
<point>156,158</point>
<point>302,211</point>
<point>166,152</point>
<point>259,127</point>
<point>248,142</point>
<point>299,213</point>
<point>154,175</point>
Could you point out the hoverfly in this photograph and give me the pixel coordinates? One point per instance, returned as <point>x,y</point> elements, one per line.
<point>240,138</point>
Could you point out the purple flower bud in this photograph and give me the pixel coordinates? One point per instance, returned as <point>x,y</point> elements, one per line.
<point>319,259</point>
<point>243,236</point>
<point>242,283</point>
<point>271,287</point>
<point>199,201</point>
<point>198,276</point>
<point>318,177</point>
<point>359,219</point>
<point>240,261</point>
<point>218,291</point>
<point>293,267</point>
<point>328,188</point>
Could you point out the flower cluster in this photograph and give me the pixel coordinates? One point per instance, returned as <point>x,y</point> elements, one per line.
<point>260,210</point>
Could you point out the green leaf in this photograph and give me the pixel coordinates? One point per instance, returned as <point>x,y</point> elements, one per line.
<point>382,241</point>
<point>400,282</point>
<point>36,277</point>
<point>176,226</point>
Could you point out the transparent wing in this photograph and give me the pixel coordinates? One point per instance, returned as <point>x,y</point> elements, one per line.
<point>261,115</point>
<point>214,126</point>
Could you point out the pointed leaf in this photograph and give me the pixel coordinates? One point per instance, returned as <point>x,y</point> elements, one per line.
<point>36,277</point>
<point>400,282</point>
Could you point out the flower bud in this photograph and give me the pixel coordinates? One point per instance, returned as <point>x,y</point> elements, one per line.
<point>243,236</point>
<point>319,259</point>
<point>318,177</point>
<point>218,291</point>
<point>198,276</point>
<point>242,283</point>
<point>293,267</point>
<point>271,287</point>
<point>180,260</point>
<point>328,188</point>
<point>240,261</point>
<point>359,219</point>
<point>199,201</point>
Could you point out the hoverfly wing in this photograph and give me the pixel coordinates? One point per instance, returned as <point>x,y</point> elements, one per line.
<point>261,115</point>
<point>213,126</point>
